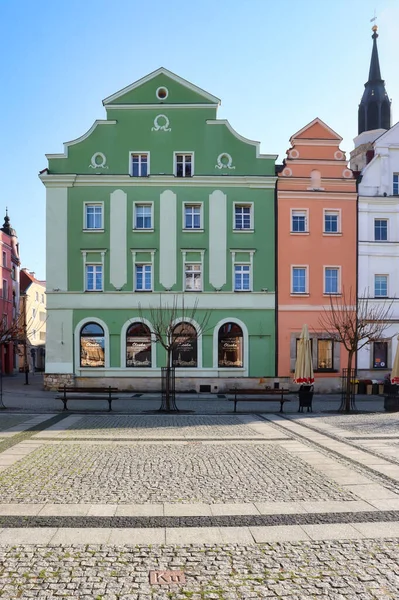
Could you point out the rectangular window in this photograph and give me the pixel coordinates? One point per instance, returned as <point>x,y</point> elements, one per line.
<point>37,296</point>
<point>94,278</point>
<point>380,355</point>
<point>299,280</point>
<point>93,216</point>
<point>193,277</point>
<point>139,165</point>
<point>381,286</point>
<point>331,221</point>
<point>4,259</point>
<point>5,289</point>
<point>143,216</point>
<point>325,354</point>
<point>331,280</point>
<point>33,313</point>
<point>395,190</point>
<point>192,216</point>
<point>42,298</point>
<point>144,278</point>
<point>299,221</point>
<point>380,230</point>
<point>242,216</point>
<point>184,165</point>
<point>242,278</point>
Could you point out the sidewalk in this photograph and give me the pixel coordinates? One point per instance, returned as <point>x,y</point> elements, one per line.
<point>32,398</point>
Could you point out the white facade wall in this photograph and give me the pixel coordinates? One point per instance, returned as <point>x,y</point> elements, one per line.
<point>376,201</point>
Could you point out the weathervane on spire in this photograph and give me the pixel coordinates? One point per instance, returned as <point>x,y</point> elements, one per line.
<point>375,26</point>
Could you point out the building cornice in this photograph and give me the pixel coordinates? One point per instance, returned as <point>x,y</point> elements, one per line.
<point>156,106</point>
<point>310,196</point>
<point>168,181</point>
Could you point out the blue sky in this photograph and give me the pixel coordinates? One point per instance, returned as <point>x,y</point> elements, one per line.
<point>275,66</point>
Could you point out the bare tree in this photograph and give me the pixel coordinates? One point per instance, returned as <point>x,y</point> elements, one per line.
<point>355,322</point>
<point>172,328</point>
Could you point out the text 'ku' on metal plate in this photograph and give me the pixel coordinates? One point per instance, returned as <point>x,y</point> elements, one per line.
<point>166,577</point>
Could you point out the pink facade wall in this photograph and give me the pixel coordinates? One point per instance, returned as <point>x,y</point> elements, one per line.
<point>7,308</point>
<point>315,181</point>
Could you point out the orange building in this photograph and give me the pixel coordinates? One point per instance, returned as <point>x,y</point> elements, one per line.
<point>316,247</point>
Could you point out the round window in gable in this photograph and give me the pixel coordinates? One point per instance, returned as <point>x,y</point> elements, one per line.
<point>162,93</point>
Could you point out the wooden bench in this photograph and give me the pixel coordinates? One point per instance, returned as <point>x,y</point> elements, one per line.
<point>86,393</point>
<point>265,393</point>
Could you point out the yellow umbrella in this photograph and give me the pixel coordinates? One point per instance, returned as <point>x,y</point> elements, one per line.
<point>395,368</point>
<point>303,365</point>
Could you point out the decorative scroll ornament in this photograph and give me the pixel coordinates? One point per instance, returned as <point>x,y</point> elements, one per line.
<point>161,127</point>
<point>98,161</point>
<point>224,161</point>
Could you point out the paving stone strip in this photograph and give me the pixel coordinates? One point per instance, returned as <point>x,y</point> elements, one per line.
<point>361,569</point>
<point>366,470</point>
<point>28,433</point>
<point>81,522</point>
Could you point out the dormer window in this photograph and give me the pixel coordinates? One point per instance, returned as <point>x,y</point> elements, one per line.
<point>139,166</point>
<point>184,165</point>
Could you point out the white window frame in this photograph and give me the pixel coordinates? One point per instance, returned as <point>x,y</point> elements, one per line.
<point>4,259</point>
<point>339,279</point>
<point>140,153</point>
<point>201,207</point>
<point>305,211</point>
<point>93,229</point>
<point>192,262</point>
<point>387,278</point>
<point>332,211</point>
<point>175,154</point>
<point>381,219</point>
<point>249,263</point>
<point>143,265</point>
<point>395,183</point>
<point>306,292</point>
<point>249,205</point>
<point>5,289</point>
<point>86,261</point>
<point>94,266</point>
<point>135,205</point>
<point>137,262</point>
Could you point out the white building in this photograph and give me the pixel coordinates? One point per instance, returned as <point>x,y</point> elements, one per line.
<point>378,270</point>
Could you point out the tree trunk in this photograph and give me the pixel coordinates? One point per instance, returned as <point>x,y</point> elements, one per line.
<point>348,382</point>
<point>167,390</point>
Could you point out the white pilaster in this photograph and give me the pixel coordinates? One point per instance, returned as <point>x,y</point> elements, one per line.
<point>57,238</point>
<point>118,239</point>
<point>217,239</point>
<point>167,239</point>
<point>59,341</point>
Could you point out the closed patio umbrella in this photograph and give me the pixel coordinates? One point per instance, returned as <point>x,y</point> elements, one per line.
<point>303,365</point>
<point>395,368</point>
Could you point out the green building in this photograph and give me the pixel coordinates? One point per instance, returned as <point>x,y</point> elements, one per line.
<point>160,202</point>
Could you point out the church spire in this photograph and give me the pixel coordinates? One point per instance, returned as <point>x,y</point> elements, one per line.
<point>375,106</point>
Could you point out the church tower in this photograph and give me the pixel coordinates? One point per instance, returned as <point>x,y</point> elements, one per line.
<point>374,115</point>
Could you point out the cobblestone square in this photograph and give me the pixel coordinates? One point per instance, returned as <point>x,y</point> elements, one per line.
<point>160,426</point>
<point>209,473</point>
<point>365,570</point>
<point>365,424</point>
<point>8,421</point>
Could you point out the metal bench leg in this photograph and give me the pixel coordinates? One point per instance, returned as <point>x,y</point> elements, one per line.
<point>109,400</point>
<point>235,405</point>
<point>65,398</point>
<point>281,405</point>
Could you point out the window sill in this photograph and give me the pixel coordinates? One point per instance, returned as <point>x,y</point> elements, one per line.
<point>193,291</point>
<point>184,176</point>
<point>94,291</point>
<point>299,232</point>
<point>249,230</point>
<point>242,291</point>
<point>332,233</point>
<point>143,230</point>
<point>143,291</point>
<point>139,176</point>
<point>300,294</point>
<point>93,230</point>
<point>335,294</point>
<point>192,230</point>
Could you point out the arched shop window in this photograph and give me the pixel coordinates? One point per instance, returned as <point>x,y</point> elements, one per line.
<point>92,346</point>
<point>138,346</point>
<point>185,346</point>
<point>230,346</point>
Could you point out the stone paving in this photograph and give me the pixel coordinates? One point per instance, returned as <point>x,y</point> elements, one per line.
<point>365,570</point>
<point>160,426</point>
<point>163,473</point>
<point>295,507</point>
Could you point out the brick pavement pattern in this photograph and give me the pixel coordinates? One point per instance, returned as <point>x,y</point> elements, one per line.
<point>142,473</point>
<point>365,570</point>
<point>7,421</point>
